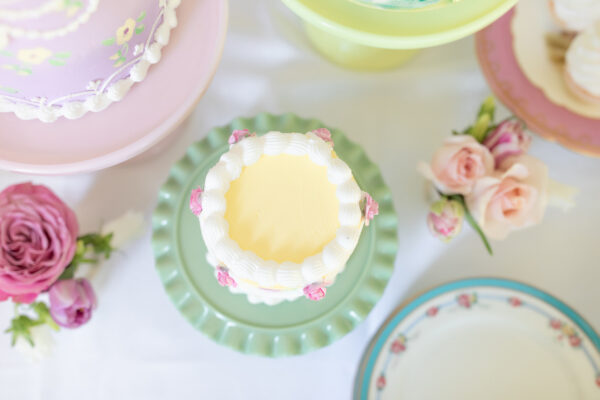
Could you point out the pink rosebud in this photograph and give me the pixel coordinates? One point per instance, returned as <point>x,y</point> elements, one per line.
<point>515,302</point>
<point>38,237</point>
<point>398,346</point>
<point>72,302</point>
<point>224,278</point>
<point>575,341</point>
<point>445,219</point>
<point>196,201</point>
<point>371,208</point>
<point>315,291</point>
<point>381,382</point>
<point>598,381</point>
<point>324,134</point>
<point>239,134</point>
<point>432,312</point>
<point>555,324</point>
<point>507,140</point>
<point>464,300</point>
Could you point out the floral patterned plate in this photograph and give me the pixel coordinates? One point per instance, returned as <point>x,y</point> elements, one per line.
<point>287,328</point>
<point>479,339</point>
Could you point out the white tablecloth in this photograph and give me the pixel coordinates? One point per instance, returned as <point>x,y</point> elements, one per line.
<point>137,346</point>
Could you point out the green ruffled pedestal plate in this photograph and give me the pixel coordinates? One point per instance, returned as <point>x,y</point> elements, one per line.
<point>289,328</point>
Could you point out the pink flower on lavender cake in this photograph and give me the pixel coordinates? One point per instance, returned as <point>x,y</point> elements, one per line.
<point>38,236</point>
<point>324,134</point>
<point>445,219</point>
<point>509,139</point>
<point>371,208</point>
<point>315,291</point>
<point>224,278</point>
<point>196,201</point>
<point>458,164</point>
<point>72,302</point>
<point>239,134</point>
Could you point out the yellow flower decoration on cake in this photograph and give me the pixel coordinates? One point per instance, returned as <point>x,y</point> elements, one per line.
<point>125,32</point>
<point>34,56</point>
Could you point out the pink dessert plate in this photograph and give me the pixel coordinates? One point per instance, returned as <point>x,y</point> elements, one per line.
<point>553,122</point>
<point>150,112</point>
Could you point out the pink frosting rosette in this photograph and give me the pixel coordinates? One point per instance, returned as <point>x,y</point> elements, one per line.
<point>38,238</point>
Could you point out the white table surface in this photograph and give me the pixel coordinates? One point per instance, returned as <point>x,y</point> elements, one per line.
<point>137,346</point>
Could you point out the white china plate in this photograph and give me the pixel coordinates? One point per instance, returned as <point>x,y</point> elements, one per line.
<point>530,24</point>
<point>482,339</point>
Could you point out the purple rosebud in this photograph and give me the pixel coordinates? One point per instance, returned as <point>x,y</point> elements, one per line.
<point>72,302</point>
<point>507,140</point>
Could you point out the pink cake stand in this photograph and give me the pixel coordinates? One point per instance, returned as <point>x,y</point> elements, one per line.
<point>501,69</point>
<point>150,112</point>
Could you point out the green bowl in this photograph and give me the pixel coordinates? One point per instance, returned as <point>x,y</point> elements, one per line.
<point>370,38</point>
<point>288,328</point>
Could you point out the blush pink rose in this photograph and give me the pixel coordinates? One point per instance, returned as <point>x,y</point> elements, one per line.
<point>38,236</point>
<point>510,200</point>
<point>458,164</point>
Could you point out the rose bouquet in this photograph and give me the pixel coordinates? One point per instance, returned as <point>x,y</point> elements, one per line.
<point>40,252</point>
<point>483,175</point>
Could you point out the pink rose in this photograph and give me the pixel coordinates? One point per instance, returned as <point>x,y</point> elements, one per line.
<point>315,291</point>
<point>324,134</point>
<point>456,166</point>
<point>510,200</point>
<point>445,219</point>
<point>371,208</point>
<point>509,139</point>
<point>38,238</point>
<point>239,134</point>
<point>224,278</point>
<point>72,302</point>
<point>196,201</point>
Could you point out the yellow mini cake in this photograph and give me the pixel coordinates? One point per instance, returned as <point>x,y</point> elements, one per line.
<point>280,215</point>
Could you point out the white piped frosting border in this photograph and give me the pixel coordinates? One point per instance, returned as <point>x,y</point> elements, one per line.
<point>110,92</point>
<point>244,266</point>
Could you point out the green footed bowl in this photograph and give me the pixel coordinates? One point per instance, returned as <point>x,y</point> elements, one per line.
<point>288,328</point>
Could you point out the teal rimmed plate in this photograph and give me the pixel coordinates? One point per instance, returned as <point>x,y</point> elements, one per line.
<point>483,338</point>
<point>289,328</point>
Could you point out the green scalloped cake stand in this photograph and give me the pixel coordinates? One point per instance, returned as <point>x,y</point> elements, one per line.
<point>289,328</point>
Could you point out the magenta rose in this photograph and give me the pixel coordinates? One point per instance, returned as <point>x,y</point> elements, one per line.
<point>72,302</point>
<point>38,238</point>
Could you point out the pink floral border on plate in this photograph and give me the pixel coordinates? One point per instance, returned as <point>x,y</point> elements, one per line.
<point>469,299</point>
<point>495,52</point>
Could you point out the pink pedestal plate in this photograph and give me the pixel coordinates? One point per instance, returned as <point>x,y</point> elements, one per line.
<point>503,73</point>
<point>150,112</point>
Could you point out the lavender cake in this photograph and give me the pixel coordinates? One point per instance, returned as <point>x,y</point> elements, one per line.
<point>64,58</point>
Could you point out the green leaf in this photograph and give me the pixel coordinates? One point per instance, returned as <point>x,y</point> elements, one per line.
<point>109,42</point>
<point>6,53</point>
<point>68,273</point>
<point>139,29</point>
<point>480,129</point>
<point>64,54</point>
<point>8,90</point>
<point>488,107</point>
<point>56,63</point>
<point>141,17</point>
<point>20,327</point>
<point>44,315</point>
